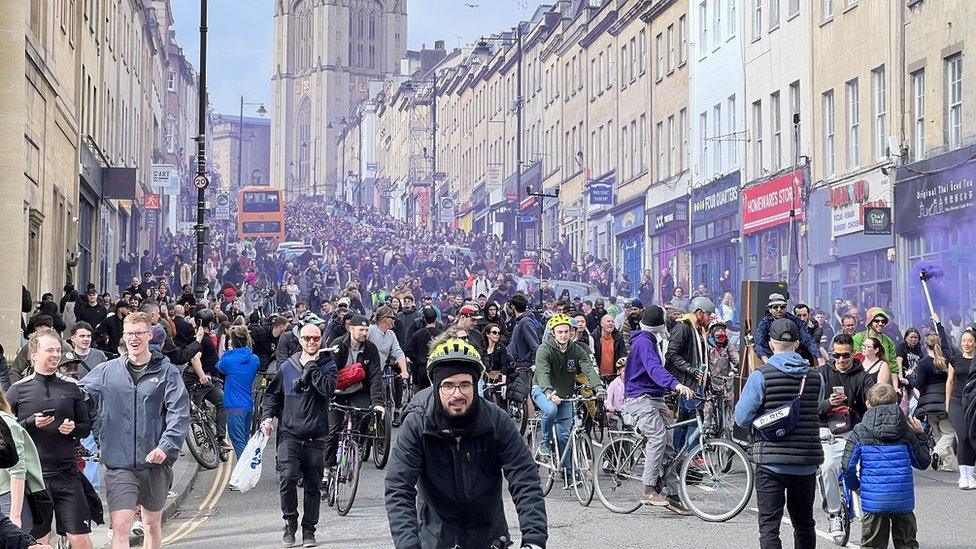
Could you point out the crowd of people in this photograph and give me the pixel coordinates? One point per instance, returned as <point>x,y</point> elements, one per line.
<point>361,304</point>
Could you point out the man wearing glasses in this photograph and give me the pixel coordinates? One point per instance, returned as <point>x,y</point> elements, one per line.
<point>877,320</point>
<point>449,459</point>
<point>144,414</point>
<point>298,397</point>
<point>846,386</point>
<point>775,310</point>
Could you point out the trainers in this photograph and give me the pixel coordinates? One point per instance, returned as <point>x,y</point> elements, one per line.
<point>224,445</point>
<point>545,449</point>
<point>288,539</point>
<point>308,539</point>
<point>835,527</point>
<point>677,508</point>
<point>964,483</point>
<point>651,497</point>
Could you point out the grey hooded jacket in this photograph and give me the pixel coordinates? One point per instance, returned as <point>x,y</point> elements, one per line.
<point>136,419</point>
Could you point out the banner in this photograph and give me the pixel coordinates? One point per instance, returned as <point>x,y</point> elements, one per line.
<point>941,196</point>
<point>848,201</point>
<point>494,181</point>
<point>768,204</point>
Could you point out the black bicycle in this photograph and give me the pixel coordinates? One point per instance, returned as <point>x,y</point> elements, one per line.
<point>201,438</point>
<point>343,481</point>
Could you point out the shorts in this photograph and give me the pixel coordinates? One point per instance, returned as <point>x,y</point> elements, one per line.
<point>70,505</point>
<point>127,488</point>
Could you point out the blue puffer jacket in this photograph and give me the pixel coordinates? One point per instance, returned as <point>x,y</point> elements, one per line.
<point>887,449</point>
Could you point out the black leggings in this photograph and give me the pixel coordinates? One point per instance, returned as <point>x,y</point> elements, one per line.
<point>965,451</point>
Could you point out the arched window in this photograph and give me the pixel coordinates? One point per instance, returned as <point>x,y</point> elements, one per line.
<point>257,177</point>
<point>303,39</point>
<point>304,128</point>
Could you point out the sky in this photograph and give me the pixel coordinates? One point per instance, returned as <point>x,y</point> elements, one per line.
<point>240,35</point>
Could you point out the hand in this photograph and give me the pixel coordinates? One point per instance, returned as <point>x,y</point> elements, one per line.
<point>915,424</point>
<point>42,421</point>
<point>204,379</point>
<point>685,391</point>
<point>156,457</point>
<point>699,377</point>
<point>405,374</point>
<point>935,318</point>
<point>201,331</point>
<point>66,427</point>
<point>267,427</point>
<point>601,393</point>
<point>380,410</point>
<point>836,399</point>
<point>554,398</point>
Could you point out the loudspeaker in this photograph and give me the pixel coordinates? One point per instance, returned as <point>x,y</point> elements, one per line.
<point>753,299</point>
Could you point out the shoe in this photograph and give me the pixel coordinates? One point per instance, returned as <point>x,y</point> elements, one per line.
<point>677,508</point>
<point>138,530</point>
<point>835,527</point>
<point>545,449</point>
<point>970,483</point>
<point>308,539</point>
<point>224,445</point>
<point>964,483</point>
<point>288,539</point>
<point>936,461</point>
<point>651,497</point>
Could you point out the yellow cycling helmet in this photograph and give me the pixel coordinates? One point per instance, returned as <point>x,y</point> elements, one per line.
<point>558,319</point>
<point>456,353</point>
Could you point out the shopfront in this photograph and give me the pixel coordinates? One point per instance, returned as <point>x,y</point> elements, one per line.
<point>769,249</point>
<point>847,263</point>
<point>714,235</point>
<point>628,228</point>
<point>667,228</point>
<point>935,228</point>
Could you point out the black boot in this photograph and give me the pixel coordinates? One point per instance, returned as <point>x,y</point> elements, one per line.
<point>308,538</point>
<point>288,539</point>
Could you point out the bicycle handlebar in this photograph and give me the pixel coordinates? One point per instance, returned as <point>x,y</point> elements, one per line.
<point>346,408</point>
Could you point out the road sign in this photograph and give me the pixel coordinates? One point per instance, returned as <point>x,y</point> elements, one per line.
<point>573,211</point>
<point>151,201</point>
<point>223,207</point>
<point>526,218</point>
<point>447,210</point>
<point>201,181</point>
<point>161,176</point>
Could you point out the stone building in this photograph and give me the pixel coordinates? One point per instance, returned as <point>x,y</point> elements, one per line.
<point>325,55</point>
<point>244,150</point>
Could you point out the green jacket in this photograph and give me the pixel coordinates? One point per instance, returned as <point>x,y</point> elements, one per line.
<point>29,465</point>
<point>557,371</point>
<point>890,354</point>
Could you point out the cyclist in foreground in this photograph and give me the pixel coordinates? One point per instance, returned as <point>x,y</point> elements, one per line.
<point>557,363</point>
<point>646,382</point>
<point>449,457</point>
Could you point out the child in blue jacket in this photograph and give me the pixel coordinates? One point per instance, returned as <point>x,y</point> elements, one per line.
<point>886,444</point>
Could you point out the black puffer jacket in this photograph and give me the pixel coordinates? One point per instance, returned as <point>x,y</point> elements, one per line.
<point>442,492</point>
<point>856,383</point>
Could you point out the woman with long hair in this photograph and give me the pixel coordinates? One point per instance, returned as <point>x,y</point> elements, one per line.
<point>959,369</point>
<point>498,364</point>
<point>873,362</point>
<point>909,352</point>
<point>239,364</point>
<point>930,379</point>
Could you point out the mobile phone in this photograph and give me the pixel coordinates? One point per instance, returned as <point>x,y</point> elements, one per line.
<point>839,390</point>
<point>47,413</point>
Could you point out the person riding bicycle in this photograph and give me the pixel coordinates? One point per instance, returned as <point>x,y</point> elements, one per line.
<point>646,382</point>
<point>359,364</point>
<point>444,479</point>
<point>204,380</point>
<point>558,362</point>
<point>846,387</point>
<point>298,396</point>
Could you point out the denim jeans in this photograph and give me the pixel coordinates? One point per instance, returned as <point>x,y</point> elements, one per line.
<point>686,410</point>
<point>561,416</point>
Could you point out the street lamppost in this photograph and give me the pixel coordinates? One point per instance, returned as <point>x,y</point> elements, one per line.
<point>240,139</point>
<point>541,196</point>
<point>200,180</point>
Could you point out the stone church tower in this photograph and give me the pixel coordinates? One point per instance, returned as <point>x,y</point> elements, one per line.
<point>325,53</point>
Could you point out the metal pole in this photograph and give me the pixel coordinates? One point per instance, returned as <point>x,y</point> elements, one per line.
<point>541,196</point>
<point>433,160</point>
<point>519,239</point>
<point>201,287</point>
<point>240,148</point>
<point>793,192</point>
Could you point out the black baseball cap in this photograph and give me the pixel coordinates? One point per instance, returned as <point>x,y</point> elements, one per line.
<point>359,320</point>
<point>784,330</point>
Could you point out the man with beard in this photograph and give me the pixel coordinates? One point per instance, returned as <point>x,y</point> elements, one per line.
<point>775,310</point>
<point>629,320</point>
<point>802,311</point>
<point>452,427</point>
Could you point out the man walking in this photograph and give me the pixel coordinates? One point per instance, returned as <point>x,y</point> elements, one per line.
<point>298,397</point>
<point>143,415</point>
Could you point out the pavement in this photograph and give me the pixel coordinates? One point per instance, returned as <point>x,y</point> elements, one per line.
<point>213,516</point>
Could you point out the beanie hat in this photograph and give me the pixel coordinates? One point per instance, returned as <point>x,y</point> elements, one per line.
<point>653,317</point>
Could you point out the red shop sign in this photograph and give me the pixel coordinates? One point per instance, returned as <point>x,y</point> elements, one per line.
<point>768,204</point>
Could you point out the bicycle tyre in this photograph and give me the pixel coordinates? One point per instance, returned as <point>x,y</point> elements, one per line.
<point>348,479</point>
<point>202,443</point>
<point>845,517</point>
<point>617,475</point>
<point>726,456</point>
<point>381,445</point>
<point>519,414</point>
<point>598,424</point>
<point>582,468</point>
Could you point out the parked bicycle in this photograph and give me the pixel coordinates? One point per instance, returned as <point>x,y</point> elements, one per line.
<point>580,448</point>
<point>201,438</point>
<point>714,473</point>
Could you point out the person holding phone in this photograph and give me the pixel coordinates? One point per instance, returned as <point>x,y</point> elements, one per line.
<point>52,409</point>
<point>846,387</point>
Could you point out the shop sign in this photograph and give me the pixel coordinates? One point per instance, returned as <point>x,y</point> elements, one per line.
<point>629,220</point>
<point>877,220</point>
<point>670,215</point>
<point>715,200</point>
<point>848,203</point>
<point>933,196</point>
<point>768,204</point>
<point>601,191</point>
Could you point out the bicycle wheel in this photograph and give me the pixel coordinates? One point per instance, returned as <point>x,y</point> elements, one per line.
<point>381,445</point>
<point>348,478</point>
<point>598,424</point>
<point>716,480</point>
<point>845,516</point>
<point>582,468</point>
<point>202,442</point>
<point>617,472</point>
<point>517,410</point>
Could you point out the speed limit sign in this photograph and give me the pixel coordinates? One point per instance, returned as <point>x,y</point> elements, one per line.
<point>201,182</point>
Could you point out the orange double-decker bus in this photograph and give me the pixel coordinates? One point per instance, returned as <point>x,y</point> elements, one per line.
<point>260,213</point>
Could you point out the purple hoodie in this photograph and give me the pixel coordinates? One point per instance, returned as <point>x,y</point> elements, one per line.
<point>645,373</point>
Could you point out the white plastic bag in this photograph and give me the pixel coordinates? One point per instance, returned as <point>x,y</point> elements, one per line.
<point>247,472</point>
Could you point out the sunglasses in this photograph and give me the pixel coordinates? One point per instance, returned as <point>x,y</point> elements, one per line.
<point>464,337</point>
<point>495,332</point>
<point>842,355</point>
<point>311,339</point>
<point>880,321</point>
<point>777,307</point>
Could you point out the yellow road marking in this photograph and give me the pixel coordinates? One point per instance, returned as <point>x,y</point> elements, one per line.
<point>208,503</point>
